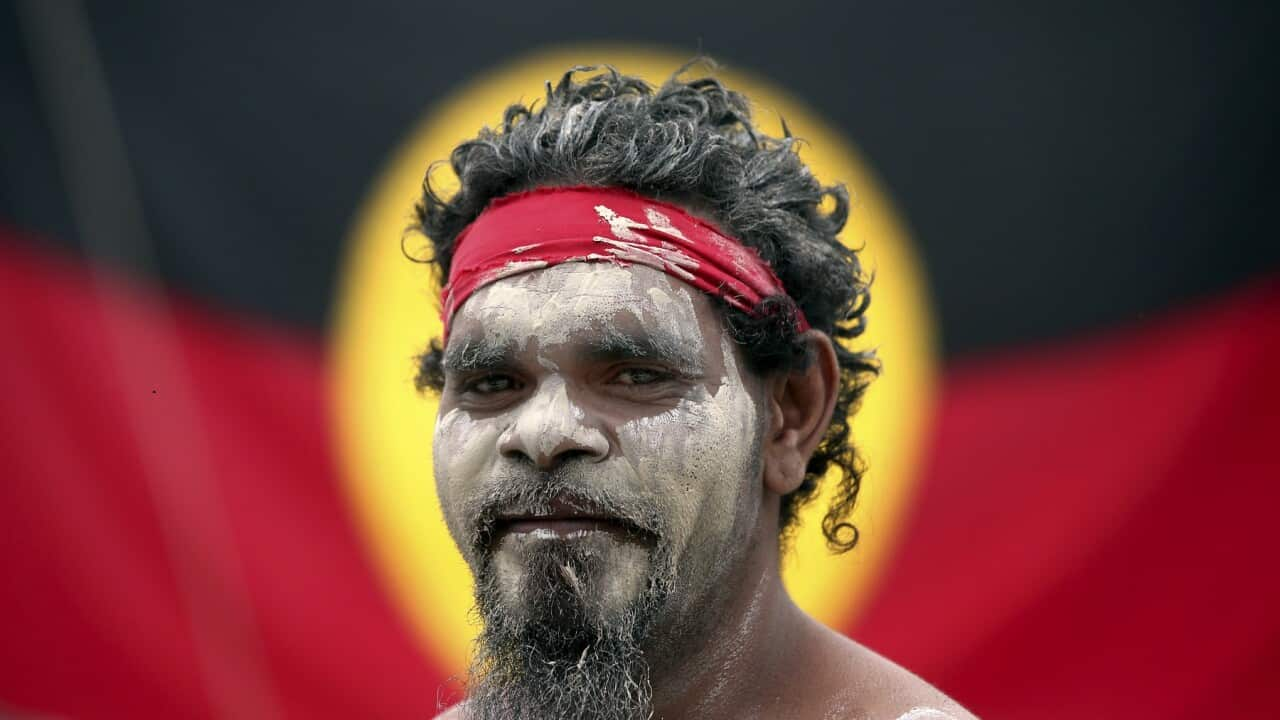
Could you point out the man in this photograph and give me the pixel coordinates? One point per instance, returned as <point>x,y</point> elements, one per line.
<point>638,388</point>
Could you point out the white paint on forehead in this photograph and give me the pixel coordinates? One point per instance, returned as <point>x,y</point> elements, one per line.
<point>662,301</point>
<point>553,304</point>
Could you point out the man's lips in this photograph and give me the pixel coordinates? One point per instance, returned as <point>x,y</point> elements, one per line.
<point>562,519</point>
<point>547,527</point>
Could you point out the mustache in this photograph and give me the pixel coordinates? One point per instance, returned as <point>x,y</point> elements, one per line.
<point>538,493</point>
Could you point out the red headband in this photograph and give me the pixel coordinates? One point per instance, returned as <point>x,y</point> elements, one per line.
<point>548,226</point>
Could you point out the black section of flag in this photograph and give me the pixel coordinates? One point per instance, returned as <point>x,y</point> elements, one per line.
<point>1061,168</point>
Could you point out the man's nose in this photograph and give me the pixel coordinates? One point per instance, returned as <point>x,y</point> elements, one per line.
<point>548,428</point>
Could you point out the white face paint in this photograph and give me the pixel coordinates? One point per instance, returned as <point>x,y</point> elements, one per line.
<point>676,433</point>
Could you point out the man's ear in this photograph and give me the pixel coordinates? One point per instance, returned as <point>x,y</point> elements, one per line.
<point>800,404</point>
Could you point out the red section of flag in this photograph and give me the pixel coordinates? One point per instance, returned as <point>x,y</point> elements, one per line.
<point>1094,536</point>
<point>1091,538</point>
<point>174,542</point>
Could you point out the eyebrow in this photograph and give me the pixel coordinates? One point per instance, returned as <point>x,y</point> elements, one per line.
<point>660,346</point>
<point>474,354</point>
<point>480,354</point>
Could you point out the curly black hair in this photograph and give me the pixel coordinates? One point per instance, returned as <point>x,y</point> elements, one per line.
<point>690,142</point>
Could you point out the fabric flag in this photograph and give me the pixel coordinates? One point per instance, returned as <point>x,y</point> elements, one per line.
<point>1089,534</point>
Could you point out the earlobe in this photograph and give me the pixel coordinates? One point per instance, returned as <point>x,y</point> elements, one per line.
<point>800,407</point>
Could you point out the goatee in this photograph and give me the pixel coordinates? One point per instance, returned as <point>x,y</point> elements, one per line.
<point>560,655</point>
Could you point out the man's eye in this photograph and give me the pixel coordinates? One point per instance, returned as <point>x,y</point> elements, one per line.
<point>490,384</point>
<point>641,376</point>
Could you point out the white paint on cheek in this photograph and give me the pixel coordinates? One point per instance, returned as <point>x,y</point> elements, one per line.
<point>696,456</point>
<point>647,436</point>
<point>738,407</point>
<point>731,414</point>
<point>457,433</point>
<point>462,451</point>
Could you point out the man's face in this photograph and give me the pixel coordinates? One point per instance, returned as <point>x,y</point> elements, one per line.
<point>596,452</point>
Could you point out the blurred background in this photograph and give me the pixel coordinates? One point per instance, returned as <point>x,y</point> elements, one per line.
<point>1088,191</point>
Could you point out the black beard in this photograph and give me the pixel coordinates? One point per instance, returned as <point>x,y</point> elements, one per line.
<point>560,656</point>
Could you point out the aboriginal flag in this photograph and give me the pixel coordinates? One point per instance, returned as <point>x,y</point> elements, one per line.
<point>198,520</point>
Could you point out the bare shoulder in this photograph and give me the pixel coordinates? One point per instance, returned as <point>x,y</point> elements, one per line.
<point>453,713</point>
<point>925,713</point>
<point>864,684</point>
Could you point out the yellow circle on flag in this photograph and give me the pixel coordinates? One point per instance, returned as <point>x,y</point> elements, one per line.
<point>387,313</point>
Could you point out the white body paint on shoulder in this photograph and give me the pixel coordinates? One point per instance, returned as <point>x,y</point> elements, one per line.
<point>922,713</point>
